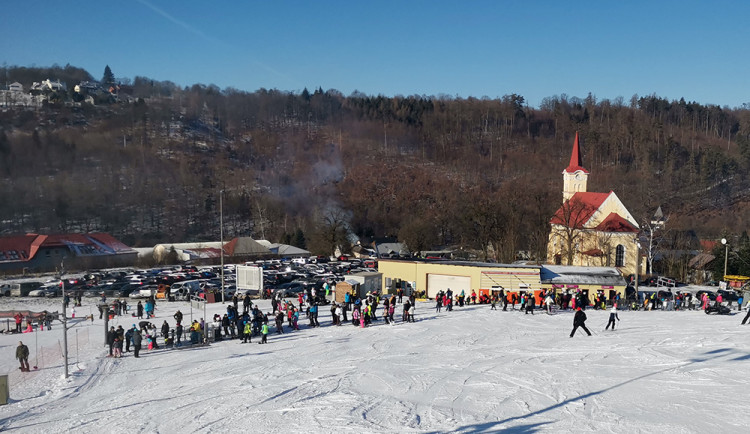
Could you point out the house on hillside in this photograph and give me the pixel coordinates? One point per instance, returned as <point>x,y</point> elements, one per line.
<point>591,229</point>
<point>15,87</point>
<point>42,253</point>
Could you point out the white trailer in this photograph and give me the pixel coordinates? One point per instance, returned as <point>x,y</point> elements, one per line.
<point>249,279</point>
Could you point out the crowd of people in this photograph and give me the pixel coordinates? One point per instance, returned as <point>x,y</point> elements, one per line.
<point>250,321</point>
<point>244,320</point>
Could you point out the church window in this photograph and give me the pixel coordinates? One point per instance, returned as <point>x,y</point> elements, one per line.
<point>620,256</point>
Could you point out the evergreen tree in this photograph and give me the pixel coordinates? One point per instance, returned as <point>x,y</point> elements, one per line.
<point>108,78</point>
<point>299,239</point>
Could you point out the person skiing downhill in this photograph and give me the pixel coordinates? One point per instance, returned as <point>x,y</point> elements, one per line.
<point>579,320</point>
<point>612,317</point>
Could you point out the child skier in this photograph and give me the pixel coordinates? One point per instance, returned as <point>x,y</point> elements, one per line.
<point>264,333</point>
<point>612,317</point>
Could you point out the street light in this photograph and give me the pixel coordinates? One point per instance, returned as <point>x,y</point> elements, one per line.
<point>221,224</point>
<point>726,255</point>
<point>637,267</point>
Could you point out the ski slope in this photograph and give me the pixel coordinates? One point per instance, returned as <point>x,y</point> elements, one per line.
<point>472,370</point>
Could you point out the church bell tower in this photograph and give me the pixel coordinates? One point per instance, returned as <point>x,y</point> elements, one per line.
<point>574,176</point>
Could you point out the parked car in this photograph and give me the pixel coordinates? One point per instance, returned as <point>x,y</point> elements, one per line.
<point>291,289</point>
<point>144,291</point>
<point>183,290</point>
<point>728,295</point>
<point>126,290</point>
<point>699,295</point>
<point>49,289</point>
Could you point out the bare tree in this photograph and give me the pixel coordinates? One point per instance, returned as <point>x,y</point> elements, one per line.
<point>568,226</point>
<point>418,235</point>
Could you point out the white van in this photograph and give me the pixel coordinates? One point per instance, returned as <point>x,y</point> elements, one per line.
<point>20,289</point>
<point>183,290</point>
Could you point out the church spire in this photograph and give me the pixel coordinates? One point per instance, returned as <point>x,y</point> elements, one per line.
<point>574,176</point>
<point>575,159</point>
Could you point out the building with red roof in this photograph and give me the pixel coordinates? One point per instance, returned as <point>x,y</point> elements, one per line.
<point>39,253</point>
<point>591,229</point>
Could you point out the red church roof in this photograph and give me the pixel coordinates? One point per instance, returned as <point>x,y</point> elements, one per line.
<point>615,223</point>
<point>575,159</point>
<point>578,210</point>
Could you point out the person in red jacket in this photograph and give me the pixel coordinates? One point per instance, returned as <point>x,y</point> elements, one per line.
<point>19,320</point>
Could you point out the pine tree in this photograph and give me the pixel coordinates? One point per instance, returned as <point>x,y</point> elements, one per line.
<point>108,78</point>
<point>299,239</point>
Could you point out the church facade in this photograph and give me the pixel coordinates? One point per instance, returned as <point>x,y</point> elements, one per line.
<point>591,229</point>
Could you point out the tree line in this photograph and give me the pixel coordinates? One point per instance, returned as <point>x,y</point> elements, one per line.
<point>479,174</point>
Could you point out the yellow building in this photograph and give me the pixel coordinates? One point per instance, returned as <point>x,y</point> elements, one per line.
<point>591,229</point>
<point>434,276</point>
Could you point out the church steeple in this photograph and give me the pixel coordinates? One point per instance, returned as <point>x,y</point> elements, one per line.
<point>574,176</point>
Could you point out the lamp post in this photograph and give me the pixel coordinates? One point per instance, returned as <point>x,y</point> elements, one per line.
<point>637,266</point>
<point>726,255</point>
<point>221,230</point>
<point>64,318</point>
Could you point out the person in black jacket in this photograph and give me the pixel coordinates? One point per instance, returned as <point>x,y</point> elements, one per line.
<point>111,339</point>
<point>165,329</point>
<point>178,334</point>
<point>579,320</point>
<point>530,304</point>
<point>137,338</point>
<point>129,338</point>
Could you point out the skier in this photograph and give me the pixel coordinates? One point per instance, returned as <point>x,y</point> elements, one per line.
<point>279,322</point>
<point>612,317</point>
<point>579,320</point>
<point>392,309</point>
<point>530,303</point>
<point>22,354</point>
<point>117,347</point>
<point>746,316</point>
<point>355,317</point>
<point>129,338</point>
<point>248,331</point>
<point>264,333</point>
<point>178,334</point>
<point>139,310</point>
<point>549,301</point>
<point>111,334</point>
<point>340,315</point>
<point>137,338</point>
<point>165,329</point>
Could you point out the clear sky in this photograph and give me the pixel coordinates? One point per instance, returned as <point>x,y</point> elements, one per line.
<point>698,50</point>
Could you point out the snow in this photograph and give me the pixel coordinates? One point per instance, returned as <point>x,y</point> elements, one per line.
<point>470,370</point>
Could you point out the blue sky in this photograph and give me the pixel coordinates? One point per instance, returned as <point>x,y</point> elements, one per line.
<point>692,49</point>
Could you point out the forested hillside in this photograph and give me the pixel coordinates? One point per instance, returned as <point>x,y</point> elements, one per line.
<point>431,170</point>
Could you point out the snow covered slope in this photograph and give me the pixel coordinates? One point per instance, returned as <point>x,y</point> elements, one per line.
<point>470,370</point>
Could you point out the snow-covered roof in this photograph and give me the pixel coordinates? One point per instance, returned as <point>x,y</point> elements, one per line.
<point>564,274</point>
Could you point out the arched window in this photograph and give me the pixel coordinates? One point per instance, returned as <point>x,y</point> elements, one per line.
<point>620,256</point>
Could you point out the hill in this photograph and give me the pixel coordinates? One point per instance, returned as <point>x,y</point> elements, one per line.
<point>149,165</point>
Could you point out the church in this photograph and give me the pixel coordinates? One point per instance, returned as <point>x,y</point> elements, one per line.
<point>591,229</point>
